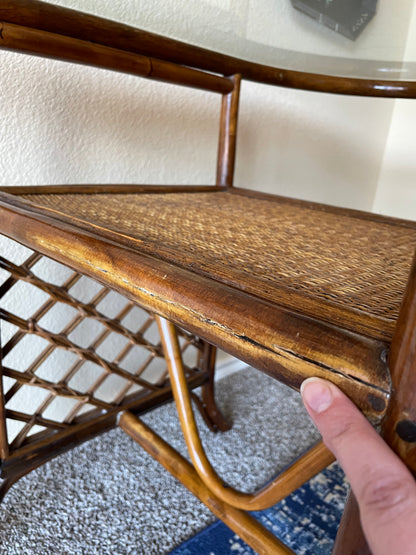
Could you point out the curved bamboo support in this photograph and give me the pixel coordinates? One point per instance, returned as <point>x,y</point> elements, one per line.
<point>312,462</point>
<point>5,485</point>
<point>262,540</point>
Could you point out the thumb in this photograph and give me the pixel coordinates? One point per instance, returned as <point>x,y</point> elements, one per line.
<point>384,487</point>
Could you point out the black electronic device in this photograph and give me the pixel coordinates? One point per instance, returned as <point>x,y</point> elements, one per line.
<point>347,17</point>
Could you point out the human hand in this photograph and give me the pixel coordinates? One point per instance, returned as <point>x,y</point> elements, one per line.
<point>383,486</point>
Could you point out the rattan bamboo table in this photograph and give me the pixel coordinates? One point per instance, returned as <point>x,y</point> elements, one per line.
<point>294,288</point>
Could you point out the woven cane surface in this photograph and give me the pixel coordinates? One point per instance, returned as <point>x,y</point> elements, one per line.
<point>71,346</point>
<point>274,250</point>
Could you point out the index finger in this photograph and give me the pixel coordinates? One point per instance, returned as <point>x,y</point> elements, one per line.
<point>384,487</point>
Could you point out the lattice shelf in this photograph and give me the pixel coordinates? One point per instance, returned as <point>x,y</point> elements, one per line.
<point>72,350</point>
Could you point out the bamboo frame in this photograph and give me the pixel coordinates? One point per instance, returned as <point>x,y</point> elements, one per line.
<point>4,444</point>
<point>228,135</point>
<point>33,41</point>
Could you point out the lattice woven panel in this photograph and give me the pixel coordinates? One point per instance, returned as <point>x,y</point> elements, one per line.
<point>71,346</point>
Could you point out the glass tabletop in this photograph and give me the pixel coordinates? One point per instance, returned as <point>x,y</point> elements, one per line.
<point>352,38</point>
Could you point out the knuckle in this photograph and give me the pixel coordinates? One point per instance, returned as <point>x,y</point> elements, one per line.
<point>386,495</point>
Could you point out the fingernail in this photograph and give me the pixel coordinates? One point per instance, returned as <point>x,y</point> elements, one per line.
<point>317,394</point>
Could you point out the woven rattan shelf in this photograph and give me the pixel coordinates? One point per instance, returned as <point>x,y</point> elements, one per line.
<point>280,250</point>
<point>294,288</point>
<point>205,258</point>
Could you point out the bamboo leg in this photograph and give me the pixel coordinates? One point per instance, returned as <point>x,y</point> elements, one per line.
<point>350,538</point>
<point>6,484</point>
<point>225,176</point>
<point>312,462</point>
<point>399,426</point>
<point>4,444</point>
<point>207,406</point>
<point>243,524</point>
<point>228,135</point>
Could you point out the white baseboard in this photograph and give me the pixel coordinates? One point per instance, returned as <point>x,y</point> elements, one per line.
<point>229,366</point>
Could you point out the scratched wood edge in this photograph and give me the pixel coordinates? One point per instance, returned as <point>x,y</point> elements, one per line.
<point>257,332</point>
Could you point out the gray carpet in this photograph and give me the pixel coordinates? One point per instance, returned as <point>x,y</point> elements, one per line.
<point>109,497</point>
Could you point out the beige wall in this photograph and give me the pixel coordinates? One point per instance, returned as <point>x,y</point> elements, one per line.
<point>396,191</point>
<point>66,124</point>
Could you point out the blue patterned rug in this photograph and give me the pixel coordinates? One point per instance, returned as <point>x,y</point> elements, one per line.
<point>306,521</point>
